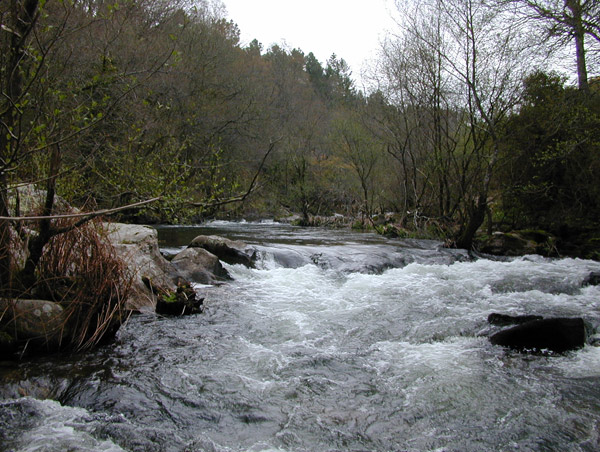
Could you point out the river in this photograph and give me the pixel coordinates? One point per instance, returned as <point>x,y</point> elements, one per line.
<point>337,341</point>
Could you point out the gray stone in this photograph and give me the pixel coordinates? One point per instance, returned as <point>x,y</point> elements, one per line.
<point>199,265</point>
<point>137,246</point>
<point>230,251</point>
<point>41,321</point>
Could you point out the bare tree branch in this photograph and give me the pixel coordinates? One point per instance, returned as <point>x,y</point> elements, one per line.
<point>251,187</point>
<point>87,215</point>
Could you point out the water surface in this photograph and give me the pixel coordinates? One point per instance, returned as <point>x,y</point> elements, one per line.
<point>337,341</point>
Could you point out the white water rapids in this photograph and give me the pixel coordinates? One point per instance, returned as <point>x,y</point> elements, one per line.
<point>336,342</point>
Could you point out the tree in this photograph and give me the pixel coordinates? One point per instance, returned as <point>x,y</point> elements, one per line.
<point>18,21</point>
<point>477,61</point>
<point>576,21</point>
<point>423,123</point>
<point>61,79</point>
<point>362,151</point>
<point>553,157</point>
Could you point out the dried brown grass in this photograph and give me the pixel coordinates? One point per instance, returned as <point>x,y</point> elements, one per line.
<point>80,270</point>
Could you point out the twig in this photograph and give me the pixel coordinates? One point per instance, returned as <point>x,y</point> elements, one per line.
<point>242,197</point>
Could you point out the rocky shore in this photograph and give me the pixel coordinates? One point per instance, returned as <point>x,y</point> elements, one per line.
<point>157,285</point>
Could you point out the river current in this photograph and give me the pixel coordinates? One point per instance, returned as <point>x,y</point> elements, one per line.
<point>337,341</point>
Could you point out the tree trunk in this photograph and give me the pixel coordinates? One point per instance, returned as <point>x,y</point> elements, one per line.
<point>5,248</point>
<point>36,244</point>
<point>476,217</point>
<point>574,7</point>
<point>21,20</point>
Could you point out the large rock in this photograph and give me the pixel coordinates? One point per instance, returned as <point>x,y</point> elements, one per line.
<point>556,334</point>
<point>199,265</point>
<point>31,199</point>
<point>519,243</point>
<point>138,247</point>
<point>28,200</point>
<point>230,251</point>
<point>42,322</point>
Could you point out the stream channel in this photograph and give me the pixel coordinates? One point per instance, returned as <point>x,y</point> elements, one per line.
<point>337,341</point>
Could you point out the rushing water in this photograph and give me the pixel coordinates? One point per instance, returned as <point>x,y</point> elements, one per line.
<point>338,341</point>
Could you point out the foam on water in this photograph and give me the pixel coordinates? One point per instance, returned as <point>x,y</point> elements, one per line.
<point>303,354</point>
<point>48,426</point>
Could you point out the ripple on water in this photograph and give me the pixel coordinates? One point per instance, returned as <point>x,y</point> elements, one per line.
<point>318,357</point>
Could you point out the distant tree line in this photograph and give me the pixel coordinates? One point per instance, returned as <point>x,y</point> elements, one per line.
<point>466,120</point>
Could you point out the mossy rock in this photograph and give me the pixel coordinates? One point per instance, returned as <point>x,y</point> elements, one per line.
<point>507,244</point>
<point>519,243</point>
<point>536,235</point>
<point>392,231</point>
<point>184,301</point>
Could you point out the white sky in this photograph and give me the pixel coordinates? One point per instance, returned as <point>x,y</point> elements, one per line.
<point>352,29</point>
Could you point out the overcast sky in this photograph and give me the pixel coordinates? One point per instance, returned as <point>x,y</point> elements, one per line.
<point>352,29</point>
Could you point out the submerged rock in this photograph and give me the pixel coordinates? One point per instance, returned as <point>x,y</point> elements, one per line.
<point>557,334</point>
<point>230,251</point>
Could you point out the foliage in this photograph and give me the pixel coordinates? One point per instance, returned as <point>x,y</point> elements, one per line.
<point>552,154</point>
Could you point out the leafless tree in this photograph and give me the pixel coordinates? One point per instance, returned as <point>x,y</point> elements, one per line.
<point>573,22</point>
<point>471,60</point>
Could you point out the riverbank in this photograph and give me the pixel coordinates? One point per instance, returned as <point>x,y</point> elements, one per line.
<point>581,242</point>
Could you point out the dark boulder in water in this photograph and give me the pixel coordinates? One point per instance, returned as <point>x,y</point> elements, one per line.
<point>557,335</point>
<point>593,279</point>
<point>505,319</point>
<point>230,251</point>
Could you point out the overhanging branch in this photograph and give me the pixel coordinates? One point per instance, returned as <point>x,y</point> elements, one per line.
<point>86,215</point>
<point>242,197</point>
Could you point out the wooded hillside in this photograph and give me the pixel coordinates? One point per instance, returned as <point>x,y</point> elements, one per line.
<point>468,119</point>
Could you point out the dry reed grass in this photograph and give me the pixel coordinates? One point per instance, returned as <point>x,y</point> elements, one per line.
<point>80,270</point>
